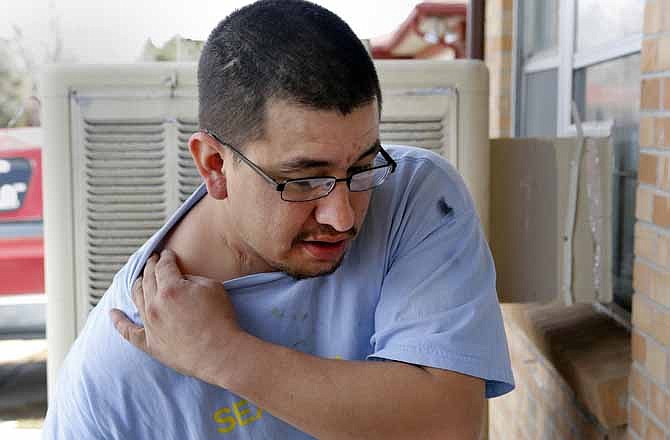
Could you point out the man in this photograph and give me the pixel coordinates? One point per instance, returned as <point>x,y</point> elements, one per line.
<point>310,252</point>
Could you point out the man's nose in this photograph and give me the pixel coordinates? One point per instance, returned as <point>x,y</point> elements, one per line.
<point>335,209</point>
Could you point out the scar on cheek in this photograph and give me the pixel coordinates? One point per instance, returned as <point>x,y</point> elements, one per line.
<point>444,208</point>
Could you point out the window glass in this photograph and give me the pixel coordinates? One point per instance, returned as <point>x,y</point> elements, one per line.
<point>538,117</point>
<point>540,26</point>
<point>610,91</point>
<point>602,21</point>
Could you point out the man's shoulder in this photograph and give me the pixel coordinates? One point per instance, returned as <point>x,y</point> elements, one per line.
<point>100,356</point>
<point>419,159</point>
<point>99,349</point>
<point>425,177</point>
<point>425,193</point>
<point>104,377</point>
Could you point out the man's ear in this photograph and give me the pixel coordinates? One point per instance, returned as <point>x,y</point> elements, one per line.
<point>208,158</point>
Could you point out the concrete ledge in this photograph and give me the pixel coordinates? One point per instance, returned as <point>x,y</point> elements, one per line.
<point>590,350</point>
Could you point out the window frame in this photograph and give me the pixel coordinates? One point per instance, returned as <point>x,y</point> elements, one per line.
<point>567,60</point>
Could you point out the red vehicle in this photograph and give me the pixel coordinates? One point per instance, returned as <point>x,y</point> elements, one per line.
<point>22,296</point>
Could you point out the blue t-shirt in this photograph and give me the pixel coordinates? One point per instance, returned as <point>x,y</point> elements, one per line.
<point>417,286</point>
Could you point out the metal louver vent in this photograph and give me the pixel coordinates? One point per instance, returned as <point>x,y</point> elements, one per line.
<point>187,174</point>
<point>426,133</point>
<point>125,193</point>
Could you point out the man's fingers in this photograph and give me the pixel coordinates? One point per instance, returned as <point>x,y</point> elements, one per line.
<point>138,298</point>
<point>129,331</point>
<point>197,279</point>
<point>149,276</point>
<point>167,271</point>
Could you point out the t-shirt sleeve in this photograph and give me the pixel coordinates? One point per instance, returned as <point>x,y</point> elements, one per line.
<point>74,410</point>
<point>71,414</point>
<point>87,388</point>
<point>438,305</point>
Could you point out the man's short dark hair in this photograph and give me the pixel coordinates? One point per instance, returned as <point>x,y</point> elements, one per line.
<point>280,49</point>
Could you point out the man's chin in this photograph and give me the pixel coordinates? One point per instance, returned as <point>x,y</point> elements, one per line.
<point>318,270</point>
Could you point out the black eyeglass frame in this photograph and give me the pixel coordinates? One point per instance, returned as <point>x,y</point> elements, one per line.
<point>280,186</point>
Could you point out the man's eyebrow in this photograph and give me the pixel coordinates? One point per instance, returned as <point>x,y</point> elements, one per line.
<point>304,163</point>
<point>374,149</point>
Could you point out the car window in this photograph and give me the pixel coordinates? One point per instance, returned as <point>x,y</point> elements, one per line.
<point>31,229</point>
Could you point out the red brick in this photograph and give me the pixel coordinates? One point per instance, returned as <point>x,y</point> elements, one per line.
<point>642,278</point>
<point>645,242</point>
<point>654,432</point>
<point>664,171</point>
<point>643,313</point>
<point>639,347</point>
<point>662,55</point>
<point>648,168</point>
<point>663,13</point>
<point>651,319</point>
<point>649,51</point>
<point>662,256</point>
<point>657,401</point>
<point>661,215</point>
<point>499,44</point>
<point>651,94</point>
<point>657,363</point>
<point>660,287</point>
<point>652,22</point>
<point>639,386</point>
<point>647,136</point>
<point>637,419</point>
<point>653,283</point>
<point>662,132</point>
<point>644,203</point>
<point>666,93</point>
<point>660,326</point>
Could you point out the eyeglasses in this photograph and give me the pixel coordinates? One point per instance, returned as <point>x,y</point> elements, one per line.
<point>312,188</point>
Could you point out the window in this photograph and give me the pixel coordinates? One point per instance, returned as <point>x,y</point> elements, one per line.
<point>539,80</point>
<point>587,51</point>
<point>541,21</point>
<point>607,21</point>
<point>539,105</point>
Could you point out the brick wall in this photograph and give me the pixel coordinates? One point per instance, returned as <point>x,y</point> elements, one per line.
<point>542,406</point>
<point>498,57</point>
<point>649,402</point>
<point>524,413</point>
<point>571,369</point>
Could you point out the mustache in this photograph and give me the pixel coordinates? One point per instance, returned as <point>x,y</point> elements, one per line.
<point>327,231</point>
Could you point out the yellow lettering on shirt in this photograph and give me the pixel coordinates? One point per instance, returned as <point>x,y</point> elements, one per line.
<point>239,413</point>
<point>228,421</point>
<point>242,416</point>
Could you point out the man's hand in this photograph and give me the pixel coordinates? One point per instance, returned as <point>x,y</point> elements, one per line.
<point>189,322</point>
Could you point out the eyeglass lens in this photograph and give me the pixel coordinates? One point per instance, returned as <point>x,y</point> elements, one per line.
<point>311,189</point>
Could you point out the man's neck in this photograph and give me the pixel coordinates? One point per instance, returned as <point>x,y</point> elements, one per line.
<point>205,245</point>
